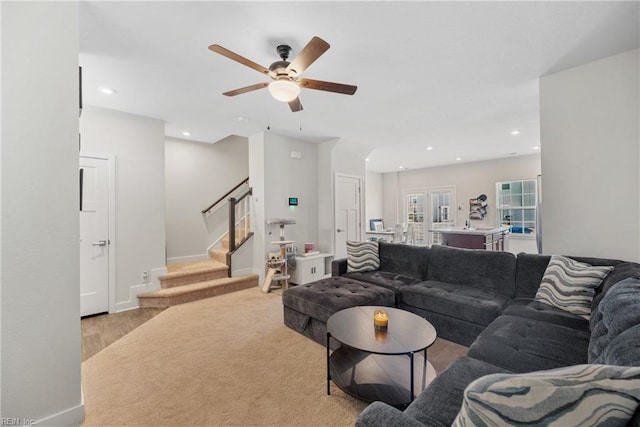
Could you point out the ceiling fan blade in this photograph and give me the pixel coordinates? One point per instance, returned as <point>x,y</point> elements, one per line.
<point>241,59</point>
<point>307,56</point>
<point>296,105</point>
<point>246,89</point>
<point>327,86</point>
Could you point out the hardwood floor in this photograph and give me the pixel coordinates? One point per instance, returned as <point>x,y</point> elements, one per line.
<point>102,330</point>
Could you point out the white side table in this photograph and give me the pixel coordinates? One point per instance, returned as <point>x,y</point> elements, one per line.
<point>311,268</point>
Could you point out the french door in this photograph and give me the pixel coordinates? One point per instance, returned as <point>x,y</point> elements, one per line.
<point>429,209</point>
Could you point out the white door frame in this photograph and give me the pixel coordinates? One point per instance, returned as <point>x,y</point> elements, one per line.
<point>112,223</point>
<point>336,175</point>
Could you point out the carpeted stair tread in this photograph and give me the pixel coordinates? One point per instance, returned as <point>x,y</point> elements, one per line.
<point>179,290</point>
<point>166,297</point>
<point>192,272</point>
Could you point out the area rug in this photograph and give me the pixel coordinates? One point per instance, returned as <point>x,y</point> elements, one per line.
<point>223,361</point>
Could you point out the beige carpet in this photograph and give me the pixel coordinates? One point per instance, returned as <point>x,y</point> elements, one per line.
<point>221,361</point>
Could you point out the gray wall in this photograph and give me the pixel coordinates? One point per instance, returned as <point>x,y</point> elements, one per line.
<point>138,145</point>
<point>39,249</point>
<point>590,155</point>
<point>276,176</point>
<point>344,157</point>
<point>196,175</point>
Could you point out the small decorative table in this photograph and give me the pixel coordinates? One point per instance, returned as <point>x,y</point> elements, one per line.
<point>390,366</point>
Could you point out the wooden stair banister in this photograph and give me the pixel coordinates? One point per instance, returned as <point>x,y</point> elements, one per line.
<point>221,199</point>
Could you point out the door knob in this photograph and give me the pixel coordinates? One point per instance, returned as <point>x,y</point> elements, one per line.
<point>339,231</point>
<point>100,243</point>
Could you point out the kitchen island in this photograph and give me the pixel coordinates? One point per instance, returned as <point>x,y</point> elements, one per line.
<point>487,238</point>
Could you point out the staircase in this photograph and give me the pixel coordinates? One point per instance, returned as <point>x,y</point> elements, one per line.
<point>193,281</point>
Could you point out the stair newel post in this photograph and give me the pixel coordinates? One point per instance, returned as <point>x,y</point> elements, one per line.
<point>232,230</point>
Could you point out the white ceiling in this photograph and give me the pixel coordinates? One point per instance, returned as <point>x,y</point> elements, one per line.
<point>456,76</point>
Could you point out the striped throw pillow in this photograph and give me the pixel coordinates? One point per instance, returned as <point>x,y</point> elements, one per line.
<point>362,257</point>
<point>570,285</point>
<point>580,395</point>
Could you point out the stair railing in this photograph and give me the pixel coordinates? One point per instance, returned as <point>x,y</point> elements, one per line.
<point>227,194</point>
<point>239,218</point>
<point>239,222</point>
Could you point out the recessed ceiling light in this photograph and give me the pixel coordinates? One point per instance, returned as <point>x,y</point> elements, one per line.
<point>536,148</point>
<point>400,167</point>
<point>186,133</point>
<point>367,159</point>
<point>107,90</point>
<point>429,148</point>
<point>515,132</point>
<point>458,158</point>
<point>243,119</point>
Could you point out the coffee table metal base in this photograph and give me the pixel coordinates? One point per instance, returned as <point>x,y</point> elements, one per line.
<point>393,379</point>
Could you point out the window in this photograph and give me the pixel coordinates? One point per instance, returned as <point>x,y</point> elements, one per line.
<point>517,205</point>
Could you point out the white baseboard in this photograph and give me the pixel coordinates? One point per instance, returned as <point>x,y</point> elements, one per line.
<point>132,302</point>
<point>152,285</point>
<point>69,417</point>
<point>188,258</point>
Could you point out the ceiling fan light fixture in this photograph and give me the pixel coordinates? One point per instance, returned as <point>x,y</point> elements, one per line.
<point>284,90</point>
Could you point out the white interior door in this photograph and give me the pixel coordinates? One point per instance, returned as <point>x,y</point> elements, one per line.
<point>94,236</point>
<point>347,216</point>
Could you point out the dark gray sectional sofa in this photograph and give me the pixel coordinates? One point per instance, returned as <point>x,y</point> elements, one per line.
<point>484,300</point>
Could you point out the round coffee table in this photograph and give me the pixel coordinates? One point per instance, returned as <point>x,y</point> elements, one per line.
<point>372,365</point>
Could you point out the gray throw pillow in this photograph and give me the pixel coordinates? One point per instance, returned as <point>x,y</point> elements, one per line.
<point>580,395</point>
<point>570,285</point>
<point>362,257</point>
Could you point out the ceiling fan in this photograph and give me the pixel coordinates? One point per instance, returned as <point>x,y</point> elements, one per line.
<point>287,83</point>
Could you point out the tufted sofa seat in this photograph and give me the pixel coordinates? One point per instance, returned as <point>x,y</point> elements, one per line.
<point>519,344</point>
<point>308,307</point>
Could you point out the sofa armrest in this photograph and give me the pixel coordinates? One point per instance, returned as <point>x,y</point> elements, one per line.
<point>382,415</point>
<point>338,267</point>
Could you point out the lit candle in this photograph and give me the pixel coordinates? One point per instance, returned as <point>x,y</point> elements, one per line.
<point>380,320</point>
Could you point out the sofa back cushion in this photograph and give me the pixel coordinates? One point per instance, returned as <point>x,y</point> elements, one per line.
<point>529,273</point>
<point>487,270</point>
<point>621,271</point>
<point>405,260</point>
<point>617,313</point>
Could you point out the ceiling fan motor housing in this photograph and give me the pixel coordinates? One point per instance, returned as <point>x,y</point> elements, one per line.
<point>280,67</point>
